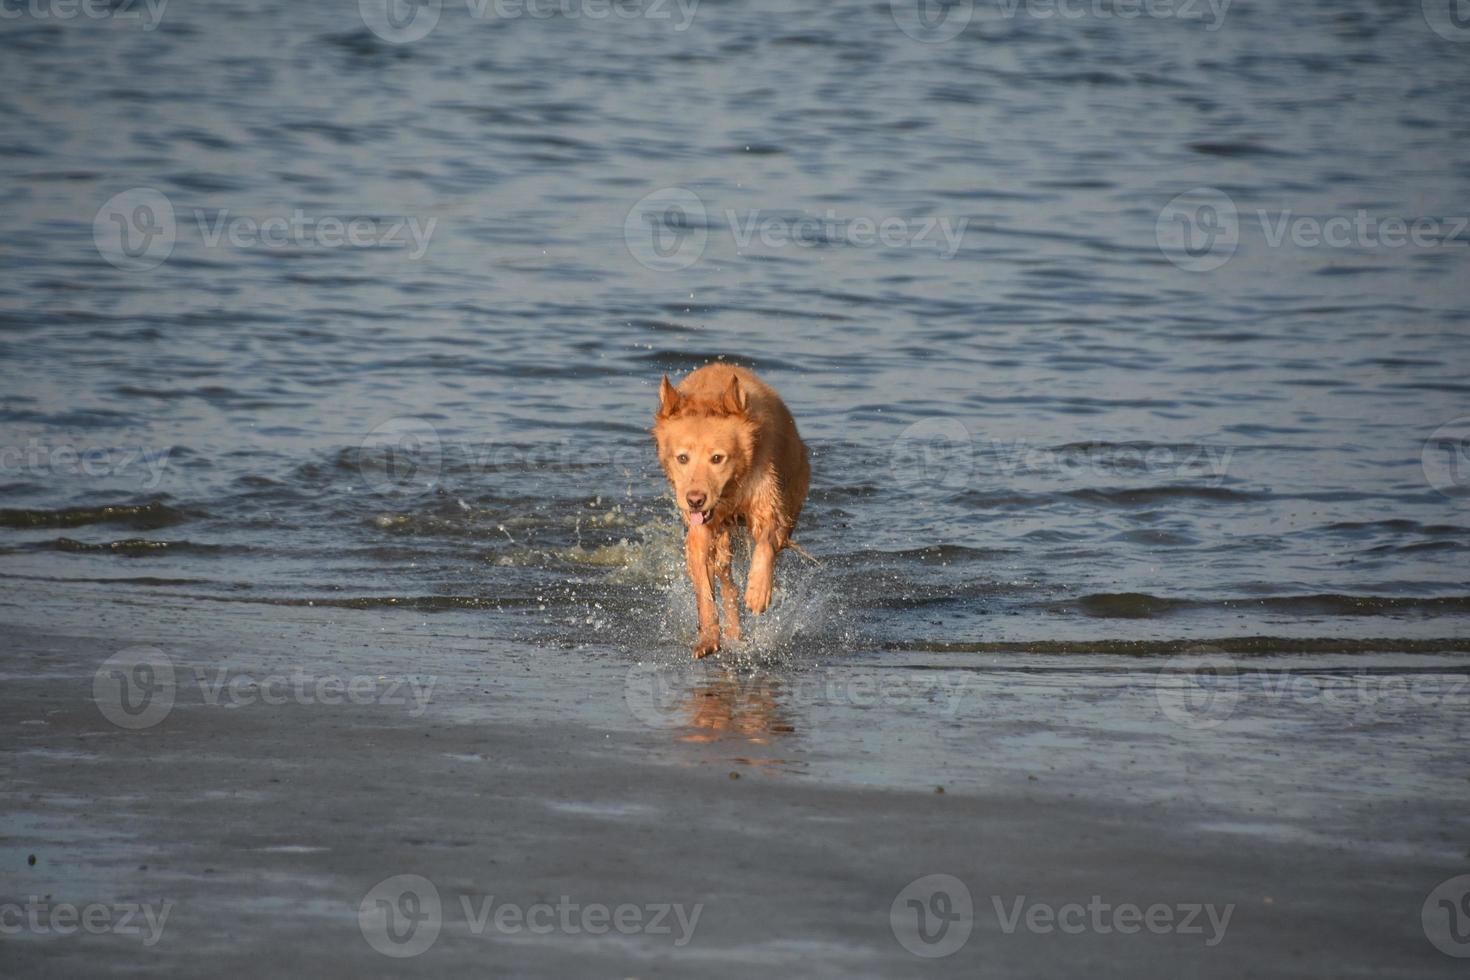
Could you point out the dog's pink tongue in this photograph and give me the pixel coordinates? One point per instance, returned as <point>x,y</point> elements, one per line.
<point>696,517</point>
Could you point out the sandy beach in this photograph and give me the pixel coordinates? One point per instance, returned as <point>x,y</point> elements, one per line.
<point>742,821</point>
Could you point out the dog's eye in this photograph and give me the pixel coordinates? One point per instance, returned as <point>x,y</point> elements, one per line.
<point>717,459</point>
<point>682,457</point>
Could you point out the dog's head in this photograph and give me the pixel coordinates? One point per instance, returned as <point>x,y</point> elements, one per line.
<point>705,446</point>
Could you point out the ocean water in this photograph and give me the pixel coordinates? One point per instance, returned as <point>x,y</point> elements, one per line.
<point>1107,333</point>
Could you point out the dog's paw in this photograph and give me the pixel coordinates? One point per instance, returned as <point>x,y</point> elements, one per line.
<point>731,632</point>
<point>708,643</point>
<point>758,596</point>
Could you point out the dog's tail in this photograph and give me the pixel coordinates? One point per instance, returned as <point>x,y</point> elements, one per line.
<point>802,552</point>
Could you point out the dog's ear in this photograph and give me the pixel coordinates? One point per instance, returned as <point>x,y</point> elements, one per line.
<point>668,398</point>
<point>733,400</point>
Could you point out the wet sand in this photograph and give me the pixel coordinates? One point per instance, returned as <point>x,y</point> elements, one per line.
<point>790,806</point>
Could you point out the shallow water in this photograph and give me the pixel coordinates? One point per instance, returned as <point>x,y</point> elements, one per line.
<point>1037,422</point>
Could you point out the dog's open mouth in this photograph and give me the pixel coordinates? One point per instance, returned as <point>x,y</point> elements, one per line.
<point>697,517</point>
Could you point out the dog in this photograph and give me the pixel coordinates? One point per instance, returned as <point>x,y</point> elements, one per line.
<point>733,456</point>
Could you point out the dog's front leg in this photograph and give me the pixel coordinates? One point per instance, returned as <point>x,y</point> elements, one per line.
<point>698,555</point>
<point>762,571</point>
<point>729,598</point>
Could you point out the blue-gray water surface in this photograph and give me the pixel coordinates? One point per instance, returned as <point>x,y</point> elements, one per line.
<point>1105,331</point>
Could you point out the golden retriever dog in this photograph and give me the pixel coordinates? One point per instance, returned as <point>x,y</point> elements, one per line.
<point>731,450</point>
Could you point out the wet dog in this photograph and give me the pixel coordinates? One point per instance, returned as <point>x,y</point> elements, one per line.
<point>731,450</point>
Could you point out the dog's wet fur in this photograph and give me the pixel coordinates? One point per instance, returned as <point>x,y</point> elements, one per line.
<point>731,450</point>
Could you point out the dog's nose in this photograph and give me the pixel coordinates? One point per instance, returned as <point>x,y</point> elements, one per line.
<point>696,500</point>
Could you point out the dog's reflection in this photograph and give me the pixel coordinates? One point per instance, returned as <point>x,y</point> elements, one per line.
<point>733,705</point>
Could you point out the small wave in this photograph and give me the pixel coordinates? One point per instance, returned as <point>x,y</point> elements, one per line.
<point>935,554</point>
<point>1129,497</point>
<point>134,547</point>
<point>1240,645</point>
<point>141,516</point>
<point>1141,605</point>
<point>418,603</point>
